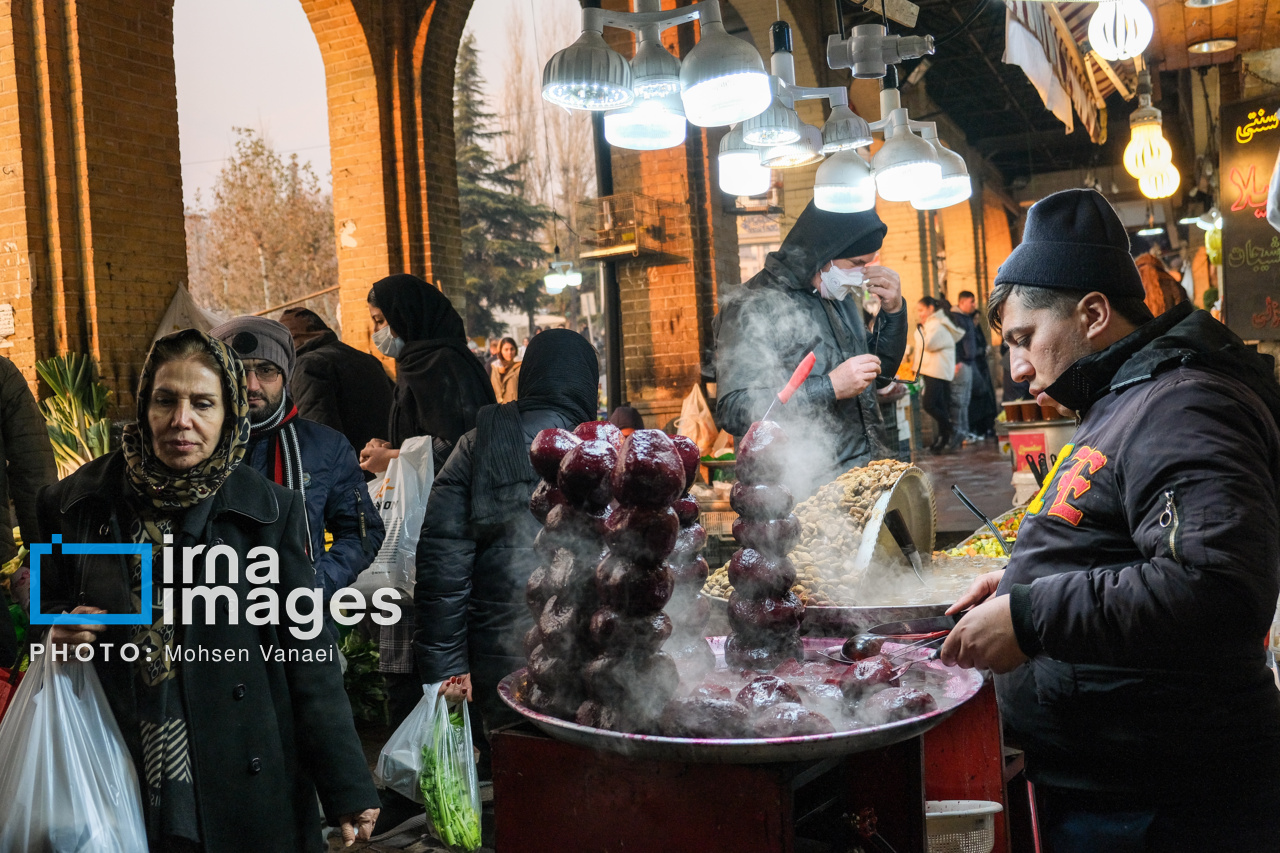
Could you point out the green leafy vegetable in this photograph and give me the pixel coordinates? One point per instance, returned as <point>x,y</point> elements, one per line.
<point>445,782</point>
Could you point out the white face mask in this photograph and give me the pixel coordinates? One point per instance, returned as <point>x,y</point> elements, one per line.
<point>387,343</point>
<point>837,282</point>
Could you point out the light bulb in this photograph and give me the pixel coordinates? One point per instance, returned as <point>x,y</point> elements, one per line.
<point>778,125</point>
<point>955,185</point>
<point>906,166</point>
<point>647,125</point>
<point>739,166</point>
<point>722,80</point>
<point>1120,29</point>
<point>554,282</point>
<point>1161,184</point>
<point>1147,152</point>
<point>844,184</point>
<point>804,152</point>
<point>654,71</point>
<point>588,75</point>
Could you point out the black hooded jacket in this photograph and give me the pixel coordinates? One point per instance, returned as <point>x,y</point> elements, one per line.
<point>475,553</point>
<point>767,326</point>
<point>1146,573</point>
<point>440,385</point>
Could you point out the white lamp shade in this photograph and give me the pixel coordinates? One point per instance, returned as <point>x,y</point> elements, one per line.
<point>1148,151</point>
<point>1120,29</point>
<point>555,283</point>
<point>1161,184</point>
<point>739,166</point>
<point>647,125</point>
<point>573,278</point>
<point>804,152</point>
<point>588,75</point>
<point>723,80</point>
<point>844,184</point>
<point>955,185</point>
<point>845,130</point>
<point>778,125</point>
<point>655,73</point>
<point>906,167</point>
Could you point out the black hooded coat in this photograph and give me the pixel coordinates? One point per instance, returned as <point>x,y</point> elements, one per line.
<point>766,327</point>
<point>1145,577</point>
<point>440,385</point>
<point>475,553</point>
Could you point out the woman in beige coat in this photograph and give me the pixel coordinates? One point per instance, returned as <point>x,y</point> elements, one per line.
<point>938,337</point>
<point>505,374</point>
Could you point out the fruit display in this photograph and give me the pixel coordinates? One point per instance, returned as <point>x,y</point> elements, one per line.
<point>764,613</point>
<point>572,503</point>
<point>629,679</point>
<point>688,608</point>
<point>983,544</point>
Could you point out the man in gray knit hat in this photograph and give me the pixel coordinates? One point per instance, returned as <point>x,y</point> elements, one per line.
<point>1127,629</point>
<point>304,456</point>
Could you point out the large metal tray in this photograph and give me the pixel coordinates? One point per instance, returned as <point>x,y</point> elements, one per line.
<point>962,685</point>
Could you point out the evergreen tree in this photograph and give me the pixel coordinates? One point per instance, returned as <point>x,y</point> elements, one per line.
<point>503,261</point>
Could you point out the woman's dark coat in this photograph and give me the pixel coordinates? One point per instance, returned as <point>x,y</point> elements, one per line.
<point>265,737</point>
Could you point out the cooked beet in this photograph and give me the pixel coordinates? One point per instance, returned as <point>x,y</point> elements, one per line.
<point>753,574</point>
<point>775,537</point>
<point>689,541</point>
<point>761,501</point>
<point>713,691</point>
<point>790,720</point>
<point>612,631</point>
<point>766,615</point>
<point>532,639</point>
<point>633,589</point>
<point>898,703</point>
<point>866,677</point>
<point>687,510</point>
<point>690,457</point>
<point>548,448</point>
<point>640,683</point>
<point>550,670</point>
<point>559,626</point>
<point>703,716</point>
<point>642,534</point>
<point>574,526</point>
<point>599,431</point>
<point>761,453</point>
<point>693,656</point>
<point>536,592</point>
<point>862,647</point>
<point>562,703</point>
<point>600,716</point>
<point>649,471</point>
<point>544,498</point>
<point>765,691</point>
<point>789,669</point>
<point>693,571</point>
<point>585,471</point>
<point>761,653</point>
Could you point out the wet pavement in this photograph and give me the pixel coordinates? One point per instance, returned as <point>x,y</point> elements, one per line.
<point>982,472</point>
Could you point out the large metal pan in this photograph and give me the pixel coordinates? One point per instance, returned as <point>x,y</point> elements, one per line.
<point>961,685</point>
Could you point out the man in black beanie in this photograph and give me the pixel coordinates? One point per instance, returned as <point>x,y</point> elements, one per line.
<point>809,298</point>
<point>1128,628</point>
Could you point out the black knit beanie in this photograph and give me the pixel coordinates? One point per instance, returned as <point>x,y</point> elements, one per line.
<point>1074,241</point>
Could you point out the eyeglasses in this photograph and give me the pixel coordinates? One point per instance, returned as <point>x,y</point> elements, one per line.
<point>265,371</point>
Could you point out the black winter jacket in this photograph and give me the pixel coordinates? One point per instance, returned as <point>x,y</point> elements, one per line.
<point>265,735</point>
<point>26,458</point>
<point>764,330</point>
<point>469,597</point>
<point>339,386</point>
<point>337,501</point>
<point>1145,577</point>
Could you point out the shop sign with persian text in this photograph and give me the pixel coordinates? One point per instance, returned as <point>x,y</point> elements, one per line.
<point>1250,245</point>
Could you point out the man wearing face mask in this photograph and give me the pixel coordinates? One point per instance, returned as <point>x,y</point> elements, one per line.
<point>810,298</point>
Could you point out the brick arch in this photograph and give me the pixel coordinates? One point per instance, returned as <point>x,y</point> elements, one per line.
<point>389,77</point>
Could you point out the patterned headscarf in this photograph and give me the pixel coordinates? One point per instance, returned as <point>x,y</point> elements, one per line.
<point>165,488</point>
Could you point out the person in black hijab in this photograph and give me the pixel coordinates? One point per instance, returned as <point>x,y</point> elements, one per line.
<point>809,298</point>
<point>475,554</point>
<point>440,384</point>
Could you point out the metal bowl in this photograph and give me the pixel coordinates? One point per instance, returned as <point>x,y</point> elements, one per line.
<point>962,685</point>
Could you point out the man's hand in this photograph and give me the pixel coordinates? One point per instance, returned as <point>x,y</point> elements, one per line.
<point>984,639</point>
<point>884,282</point>
<point>457,688</point>
<point>982,588</point>
<point>854,376</point>
<point>358,827</point>
<point>77,634</point>
<point>377,455</point>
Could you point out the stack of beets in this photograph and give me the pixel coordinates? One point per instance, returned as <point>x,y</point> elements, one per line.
<point>764,614</point>
<point>631,679</point>
<point>688,608</point>
<point>572,503</point>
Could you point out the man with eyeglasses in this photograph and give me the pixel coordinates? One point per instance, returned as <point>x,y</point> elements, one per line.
<point>304,456</point>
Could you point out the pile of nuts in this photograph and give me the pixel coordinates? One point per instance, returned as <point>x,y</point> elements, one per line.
<point>831,522</point>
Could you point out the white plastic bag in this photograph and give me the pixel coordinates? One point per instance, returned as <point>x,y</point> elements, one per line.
<point>696,421</point>
<point>400,761</point>
<point>401,498</point>
<point>67,783</point>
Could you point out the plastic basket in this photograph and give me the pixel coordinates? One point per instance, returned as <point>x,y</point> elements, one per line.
<point>961,826</point>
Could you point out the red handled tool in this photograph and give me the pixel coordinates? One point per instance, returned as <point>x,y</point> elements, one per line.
<point>797,379</point>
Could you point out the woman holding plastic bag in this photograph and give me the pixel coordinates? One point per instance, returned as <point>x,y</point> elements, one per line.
<point>230,741</point>
<point>475,554</point>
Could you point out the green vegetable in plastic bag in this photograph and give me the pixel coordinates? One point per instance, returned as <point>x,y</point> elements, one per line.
<point>450,787</point>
